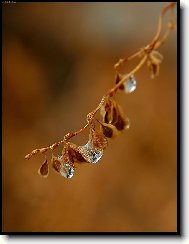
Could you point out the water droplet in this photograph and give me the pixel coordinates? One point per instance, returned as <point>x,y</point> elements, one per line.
<point>91,154</point>
<point>130,84</point>
<point>67,170</point>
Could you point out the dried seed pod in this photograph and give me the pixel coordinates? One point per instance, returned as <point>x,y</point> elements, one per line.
<point>121,122</point>
<point>93,150</point>
<point>107,111</point>
<point>76,155</point>
<point>154,69</point>
<point>108,130</point>
<point>57,163</point>
<point>67,155</point>
<point>156,57</point>
<point>115,114</point>
<point>97,139</point>
<point>44,169</point>
<point>79,157</point>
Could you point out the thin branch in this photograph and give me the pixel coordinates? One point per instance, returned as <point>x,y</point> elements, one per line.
<point>143,54</point>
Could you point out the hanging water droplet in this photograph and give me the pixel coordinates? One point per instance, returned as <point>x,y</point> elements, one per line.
<point>130,84</point>
<point>91,154</point>
<point>67,171</point>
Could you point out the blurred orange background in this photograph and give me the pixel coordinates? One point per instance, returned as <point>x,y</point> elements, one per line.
<point>57,63</point>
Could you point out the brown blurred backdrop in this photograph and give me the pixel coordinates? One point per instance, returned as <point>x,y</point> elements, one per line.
<point>57,63</point>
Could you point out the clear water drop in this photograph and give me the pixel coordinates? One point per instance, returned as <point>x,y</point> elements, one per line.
<point>67,171</point>
<point>130,84</point>
<point>92,155</point>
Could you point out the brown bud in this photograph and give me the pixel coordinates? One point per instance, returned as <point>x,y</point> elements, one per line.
<point>44,169</point>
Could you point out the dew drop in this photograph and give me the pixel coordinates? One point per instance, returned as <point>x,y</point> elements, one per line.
<point>130,85</point>
<point>91,154</point>
<point>67,171</point>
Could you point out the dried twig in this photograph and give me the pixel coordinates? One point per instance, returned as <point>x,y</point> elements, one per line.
<point>113,117</point>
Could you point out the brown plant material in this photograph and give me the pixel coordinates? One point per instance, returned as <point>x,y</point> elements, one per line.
<point>155,59</point>
<point>44,169</point>
<point>97,139</point>
<point>112,114</point>
<point>118,79</point>
<point>108,130</point>
<point>74,155</point>
<point>56,163</point>
<point>154,69</point>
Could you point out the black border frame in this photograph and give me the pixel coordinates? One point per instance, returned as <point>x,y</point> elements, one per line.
<point>179,232</point>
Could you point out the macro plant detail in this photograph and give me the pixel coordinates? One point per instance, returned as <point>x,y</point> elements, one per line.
<point>113,120</point>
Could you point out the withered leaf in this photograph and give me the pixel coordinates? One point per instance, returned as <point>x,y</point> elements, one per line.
<point>44,169</point>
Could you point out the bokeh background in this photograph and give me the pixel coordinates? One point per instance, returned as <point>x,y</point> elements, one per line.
<point>57,63</point>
